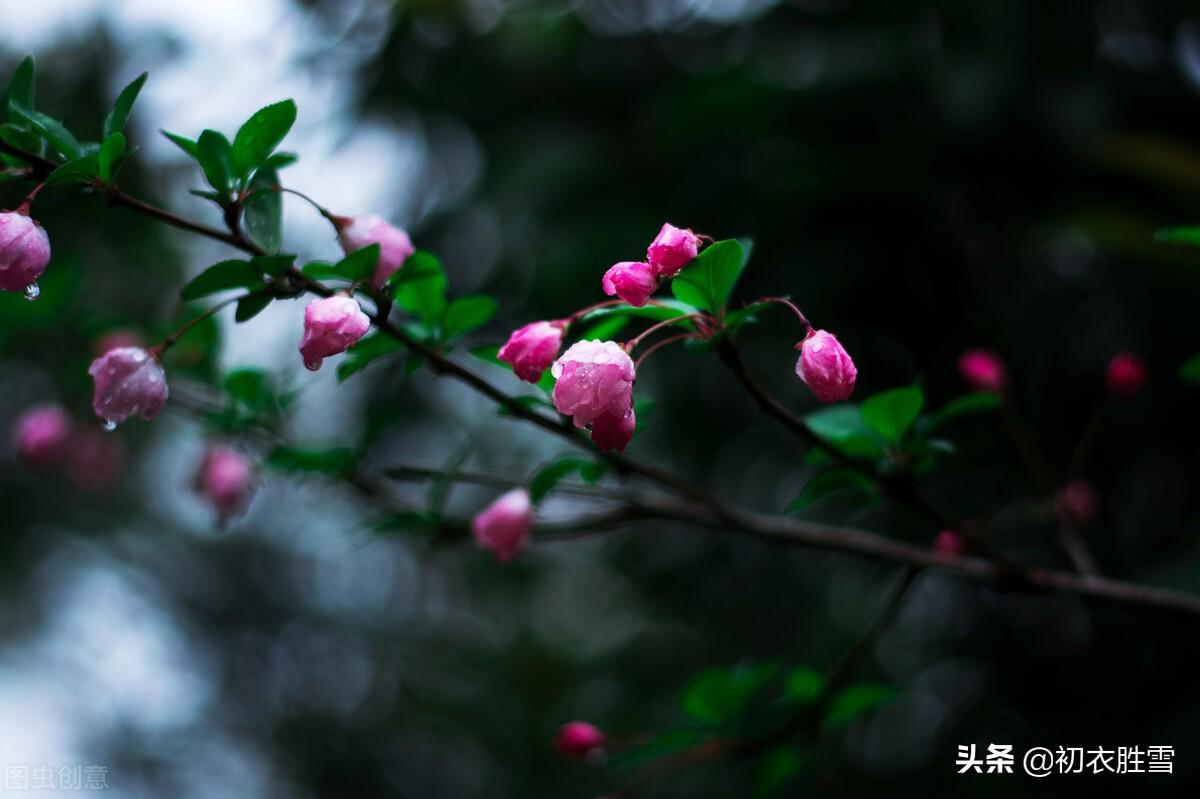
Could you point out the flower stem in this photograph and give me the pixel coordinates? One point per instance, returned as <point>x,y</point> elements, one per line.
<point>633,342</point>
<point>170,340</point>
<point>785,301</point>
<point>660,344</point>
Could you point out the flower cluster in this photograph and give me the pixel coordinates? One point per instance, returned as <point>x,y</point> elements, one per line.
<point>634,281</point>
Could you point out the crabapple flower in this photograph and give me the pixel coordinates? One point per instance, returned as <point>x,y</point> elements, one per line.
<point>949,542</point>
<point>226,480</point>
<point>672,249</point>
<point>982,370</point>
<point>578,739</point>
<point>612,432</point>
<point>1125,376</point>
<point>632,281</point>
<point>331,325</point>
<point>41,434</point>
<point>129,382</point>
<point>1078,504</point>
<point>94,458</point>
<point>503,527</point>
<point>24,252</point>
<point>531,349</point>
<point>594,378</point>
<point>394,244</point>
<point>826,367</point>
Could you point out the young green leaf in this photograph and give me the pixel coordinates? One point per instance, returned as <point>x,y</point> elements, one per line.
<point>49,128</point>
<point>776,769</point>
<point>1190,370</point>
<point>891,413</point>
<point>264,210</point>
<point>337,461</point>
<point>20,88</point>
<point>75,172</point>
<point>858,700</point>
<point>605,329</point>
<point>251,306</point>
<point>1180,235</point>
<point>221,277</point>
<point>842,427</point>
<point>359,265</point>
<point>978,402</point>
<point>116,119</point>
<point>366,350</point>
<point>183,143</point>
<point>273,265</point>
<point>830,481</point>
<point>260,135</point>
<point>110,154</point>
<point>718,696</point>
<point>423,289</point>
<point>802,686</point>
<point>214,153</point>
<point>467,314</point>
<point>251,387</point>
<point>661,311</point>
<point>551,474</point>
<point>708,281</point>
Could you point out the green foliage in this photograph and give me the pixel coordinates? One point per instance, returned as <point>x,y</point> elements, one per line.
<point>708,281</point>
<point>842,427</point>
<point>260,135</point>
<point>119,116</point>
<point>775,770</point>
<point>251,306</point>
<point>1180,235</point>
<point>467,314</point>
<point>338,461</point>
<point>547,477</point>
<point>75,172</point>
<point>366,350</point>
<point>21,87</point>
<point>891,413</point>
<point>802,686</point>
<point>264,210</point>
<point>857,701</point>
<point>215,156</point>
<point>50,129</point>
<point>273,265</point>
<point>828,482</point>
<point>661,311</point>
<point>978,402</point>
<point>183,143</point>
<point>222,276</point>
<point>661,745</point>
<point>1190,370</point>
<point>110,155</point>
<point>421,289</point>
<point>359,265</point>
<point>718,696</point>
<point>605,329</point>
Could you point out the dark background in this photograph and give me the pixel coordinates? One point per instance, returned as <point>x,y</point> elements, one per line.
<point>920,177</point>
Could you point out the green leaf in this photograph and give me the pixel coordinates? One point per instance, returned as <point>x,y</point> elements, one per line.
<point>110,154</point>
<point>116,119</point>
<point>708,281</point>
<point>422,290</point>
<point>321,270</point>
<point>552,473</point>
<point>260,135</point>
<point>661,745</point>
<point>221,277</point>
<point>339,461</point>
<point>1180,235</point>
<point>21,138</point>
<point>366,350</point>
<point>251,306</point>
<point>20,88</point>
<point>605,329</point>
<point>51,130</point>
<point>830,481</point>
<point>1190,370</point>
<point>264,210</point>
<point>842,427</point>
<point>273,265</point>
<point>467,314</point>
<point>858,700</point>
<point>359,265</point>
<point>776,768</point>
<point>183,143</point>
<point>979,402</point>
<point>75,172</point>
<point>215,155</point>
<point>745,315</point>
<point>892,413</point>
<point>802,686</point>
<point>251,387</point>
<point>280,160</point>
<point>719,695</point>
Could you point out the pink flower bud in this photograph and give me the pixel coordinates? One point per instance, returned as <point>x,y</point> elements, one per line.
<point>825,367</point>
<point>594,378</point>
<point>1126,375</point>
<point>94,459</point>
<point>41,435</point>
<point>117,338</point>
<point>611,432</point>
<point>331,325</point>
<point>578,739</point>
<point>394,244</point>
<point>983,370</point>
<point>532,349</point>
<point>1078,504</point>
<point>24,252</point>
<point>503,527</point>
<point>226,480</point>
<point>672,249</point>
<point>129,382</point>
<point>949,542</point>
<point>632,281</point>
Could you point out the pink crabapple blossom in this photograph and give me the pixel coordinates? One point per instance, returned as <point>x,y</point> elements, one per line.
<point>395,246</point>
<point>41,434</point>
<point>531,350</point>
<point>594,378</point>
<point>24,252</point>
<point>632,281</point>
<point>612,432</point>
<point>225,480</point>
<point>949,542</point>
<point>982,370</point>
<point>331,325</point>
<point>672,249</point>
<point>1125,376</point>
<point>503,527</point>
<point>578,739</point>
<point>129,382</point>
<point>826,367</point>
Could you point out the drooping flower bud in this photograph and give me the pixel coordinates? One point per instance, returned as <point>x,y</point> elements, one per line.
<point>129,382</point>
<point>1126,375</point>
<point>826,367</point>
<point>331,325</point>
<point>531,349</point>
<point>594,378</point>
<point>578,739</point>
<point>41,435</point>
<point>394,244</point>
<point>672,249</point>
<point>612,432</point>
<point>24,252</point>
<point>632,281</point>
<point>982,370</point>
<point>503,527</point>
<point>1078,504</point>
<point>226,480</point>
<point>949,542</point>
<point>94,459</point>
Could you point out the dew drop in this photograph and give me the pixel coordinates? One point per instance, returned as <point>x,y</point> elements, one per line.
<point>109,425</point>
<point>312,366</point>
<point>32,292</point>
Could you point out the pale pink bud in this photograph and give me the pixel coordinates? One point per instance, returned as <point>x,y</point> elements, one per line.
<point>612,432</point>
<point>1078,504</point>
<point>593,378</point>
<point>115,339</point>
<point>578,739</point>
<point>40,435</point>
<point>503,527</point>
<point>983,370</point>
<point>129,382</point>
<point>949,542</point>
<point>226,480</point>
<point>94,459</point>
<point>632,281</point>
<point>1126,375</point>
<point>532,349</point>
<point>394,244</point>
<point>24,252</point>
<point>672,249</point>
<point>826,367</point>
<point>331,325</point>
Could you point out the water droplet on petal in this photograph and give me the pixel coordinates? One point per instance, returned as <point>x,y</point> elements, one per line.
<point>109,425</point>
<point>312,365</point>
<point>32,292</point>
